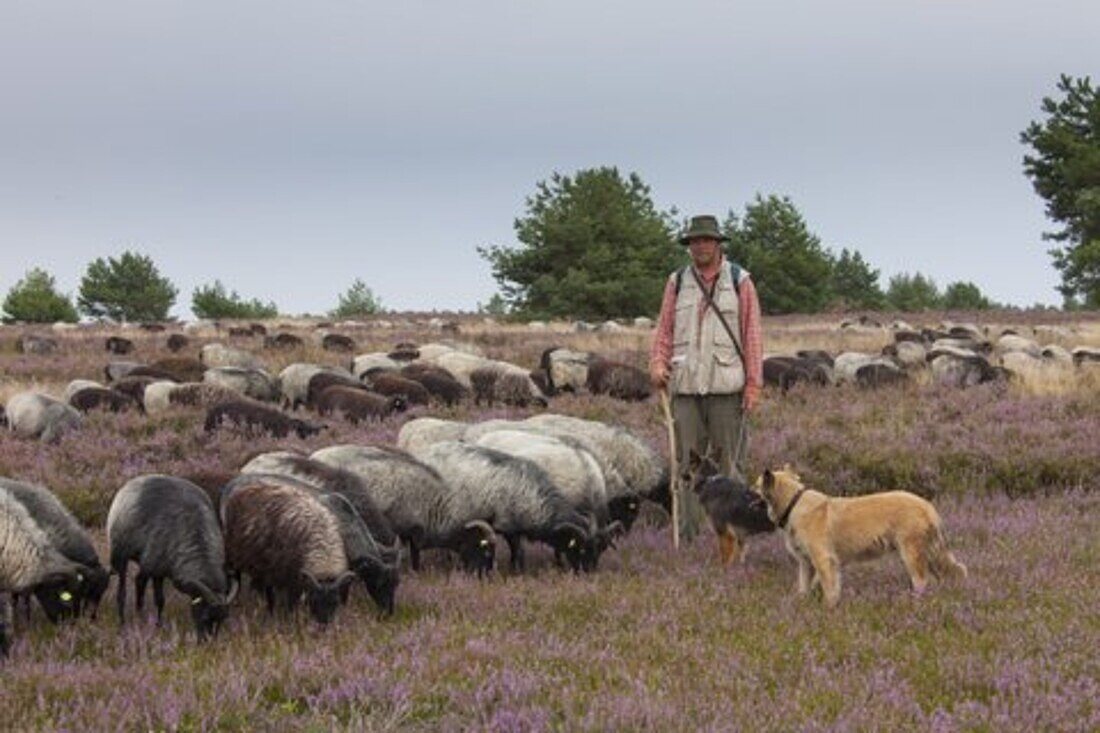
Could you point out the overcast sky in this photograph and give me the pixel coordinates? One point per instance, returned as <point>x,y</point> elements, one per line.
<point>288,148</point>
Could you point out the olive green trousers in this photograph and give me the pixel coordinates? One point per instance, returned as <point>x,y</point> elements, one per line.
<point>713,425</point>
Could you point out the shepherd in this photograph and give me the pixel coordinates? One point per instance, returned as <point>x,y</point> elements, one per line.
<point>707,353</point>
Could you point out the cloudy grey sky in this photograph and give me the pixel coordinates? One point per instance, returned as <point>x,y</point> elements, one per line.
<point>290,147</point>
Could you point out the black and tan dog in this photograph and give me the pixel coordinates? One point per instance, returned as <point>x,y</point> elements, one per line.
<point>735,511</point>
<point>824,532</point>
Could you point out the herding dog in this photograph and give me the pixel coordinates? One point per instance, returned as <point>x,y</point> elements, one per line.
<point>823,533</point>
<point>735,512</point>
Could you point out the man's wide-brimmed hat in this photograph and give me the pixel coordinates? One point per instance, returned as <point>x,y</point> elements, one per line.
<point>703,226</point>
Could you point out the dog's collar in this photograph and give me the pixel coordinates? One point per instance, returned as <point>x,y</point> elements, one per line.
<point>790,507</point>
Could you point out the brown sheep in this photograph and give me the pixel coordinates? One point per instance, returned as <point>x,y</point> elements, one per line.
<point>338,342</point>
<point>133,387</point>
<point>321,381</point>
<point>199,394</point>
<point>618,380</point>
<point>181,368</point>
<point>358,405</point>
<point>283,341</point>
<point>119,345</point>
<point>177,342</point>
<point>438,381</point>
<point>254,416</point>
<point>388,383</point>
<point>91,398</point>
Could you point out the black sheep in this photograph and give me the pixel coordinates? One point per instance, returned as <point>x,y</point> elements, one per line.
<point>254,416</point>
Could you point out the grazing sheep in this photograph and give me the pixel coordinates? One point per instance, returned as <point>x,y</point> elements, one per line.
<point>363,363</point>
<point>572,469</point>
<point>29,561</point>
<point>908,354</point>
<point>68,537</point>
<point>880,375</point>
<point>177,342</point>
<point>415,435</point>
<point>119,345</point>
<point>566,371</point>
<point>337,342</point>
<point>459,365</point>
<point>517,498</point>
<point>93,398</point>
<point>372,546</point>
<point>357,405</point>
<point>116,370</point>
<point>787,371</point>
<point>78,384</point>
<point>439,383</point>
<point>1057,354</point>
<point>618,380</point>
<point>40,345</point>
<point>254,383</point>
<point>846,365</point>
<point>220,355</point>
<point>169,527</point>
<point>133,387</point>
<point>976,346</point>
<point>816,355</point>
<point>1085,354</point>
<point>283,341</point>
<point>254,416</point>
<point>1011,343</point>
<point>963,371</point>
<point>390,384</point>
<point>491,384</point>
<point>422,508</point>
<point>321,381</point>
<point>294,381</point>
<point>180,368</point>
<point>159,397</point>
<point>631,468</point>
<point>284,538</point>
<point>33,415</point>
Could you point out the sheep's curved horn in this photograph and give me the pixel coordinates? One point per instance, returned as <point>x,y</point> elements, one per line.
<point>482,525</point>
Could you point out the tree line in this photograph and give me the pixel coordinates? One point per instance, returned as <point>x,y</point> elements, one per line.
<point>130,288</point>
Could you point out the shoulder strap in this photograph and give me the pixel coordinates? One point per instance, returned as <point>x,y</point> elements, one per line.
<point>735,276</point>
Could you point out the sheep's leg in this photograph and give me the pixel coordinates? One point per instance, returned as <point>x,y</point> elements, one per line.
<point>141,582</point>
<point>414,555</point>
<point>120,597</point>
<point>345,593</point>
<point>158,598</point>
<point>515,549</point>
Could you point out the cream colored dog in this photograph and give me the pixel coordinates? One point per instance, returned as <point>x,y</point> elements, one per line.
<point>824,532</point>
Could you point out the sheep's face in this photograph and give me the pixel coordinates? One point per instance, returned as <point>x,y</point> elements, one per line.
<point>323,597</point>
<point>624,509</point>
<point>478,553</point>
<point>59,597</point>
<point>579,549</point>
<point>208,617</point>
<point>382,586</point>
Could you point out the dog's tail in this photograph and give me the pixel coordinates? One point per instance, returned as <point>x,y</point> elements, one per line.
<point>940,559</point>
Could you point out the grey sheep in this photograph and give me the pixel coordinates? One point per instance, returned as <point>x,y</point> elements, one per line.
<point>68,537</point>
<point>254,383</point>
<point>28,561</point>
<point>34,415</point>
<point>516,497</point>
<point>286,540</point>
<point>423,431</point>
<point>422,508</point>
<point>169,527</point>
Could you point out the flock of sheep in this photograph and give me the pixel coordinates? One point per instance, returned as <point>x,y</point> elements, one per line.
<point>956,354</point>
<point>305,527</point>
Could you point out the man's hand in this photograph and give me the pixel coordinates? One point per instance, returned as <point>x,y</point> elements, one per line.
<point>750,399</point>
<point>658,376</point>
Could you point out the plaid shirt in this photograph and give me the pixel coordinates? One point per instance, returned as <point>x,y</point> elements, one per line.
<point>752,340</point>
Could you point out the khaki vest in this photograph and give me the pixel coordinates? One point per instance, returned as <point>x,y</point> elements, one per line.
<point>704,359</point>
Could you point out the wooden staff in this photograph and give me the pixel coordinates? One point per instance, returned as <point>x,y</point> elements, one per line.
<point>674,471</point>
